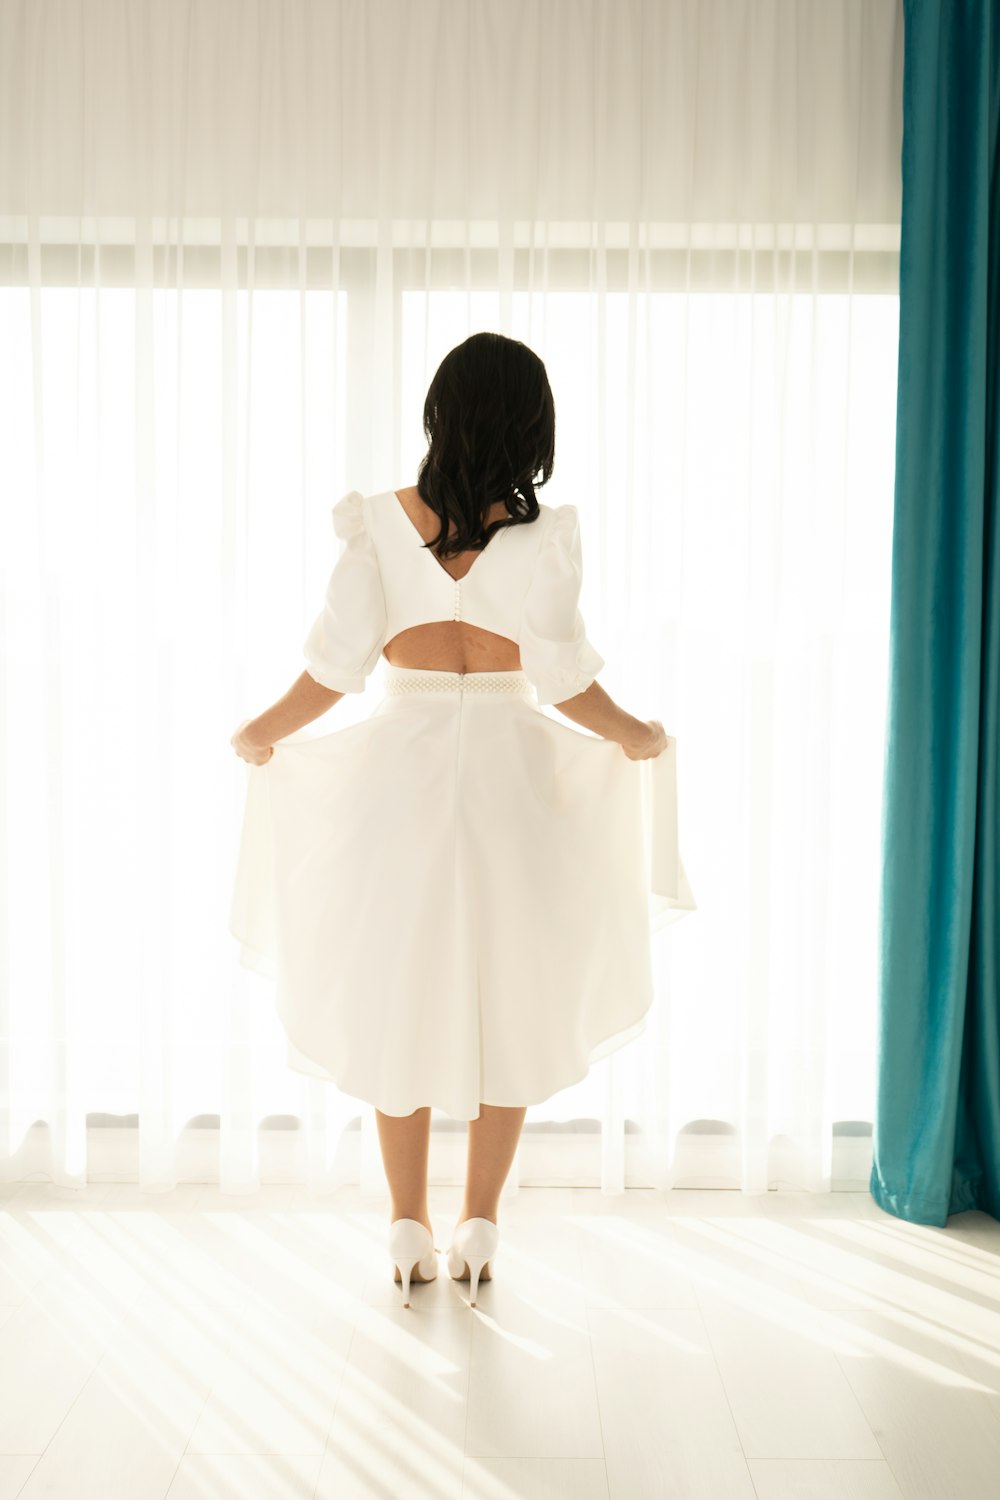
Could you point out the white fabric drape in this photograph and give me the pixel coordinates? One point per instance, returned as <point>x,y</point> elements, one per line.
<point>235,242</point>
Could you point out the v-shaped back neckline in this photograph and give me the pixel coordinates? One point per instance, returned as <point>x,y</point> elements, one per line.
<point>430,551</point>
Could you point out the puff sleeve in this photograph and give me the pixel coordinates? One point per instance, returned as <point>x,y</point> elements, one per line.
<point>347,637</point>
<point>555,652</point>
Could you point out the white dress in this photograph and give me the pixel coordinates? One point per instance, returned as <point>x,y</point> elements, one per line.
<point>455,897</point>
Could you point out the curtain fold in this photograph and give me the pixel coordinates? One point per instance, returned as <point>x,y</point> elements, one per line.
<point>936,1144</point>
<point>236,240</point>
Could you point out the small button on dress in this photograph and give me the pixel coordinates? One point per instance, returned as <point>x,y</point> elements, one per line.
<point>456,897</point>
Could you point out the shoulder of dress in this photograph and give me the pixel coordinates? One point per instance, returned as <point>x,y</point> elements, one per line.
<point>548,515</point>
<point>348,515</point>
<point>564,523</point>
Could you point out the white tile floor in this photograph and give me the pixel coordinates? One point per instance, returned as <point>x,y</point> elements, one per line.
<point>648,1347</point>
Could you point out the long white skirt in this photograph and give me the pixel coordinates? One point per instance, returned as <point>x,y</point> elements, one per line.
<point>456,896</point>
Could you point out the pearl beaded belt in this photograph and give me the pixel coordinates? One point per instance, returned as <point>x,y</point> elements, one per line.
<point>416,680</point>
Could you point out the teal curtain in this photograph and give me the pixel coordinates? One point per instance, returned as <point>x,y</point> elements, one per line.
<point>937,1128</point>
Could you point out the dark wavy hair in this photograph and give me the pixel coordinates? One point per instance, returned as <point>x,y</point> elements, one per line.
<point>490,423</point>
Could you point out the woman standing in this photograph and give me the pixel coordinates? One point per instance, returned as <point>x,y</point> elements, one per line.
<point>451,894</point>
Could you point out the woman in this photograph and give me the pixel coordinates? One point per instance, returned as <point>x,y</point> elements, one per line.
<point>459,898</point>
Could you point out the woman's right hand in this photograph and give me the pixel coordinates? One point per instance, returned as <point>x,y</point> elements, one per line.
<point>656,740</point>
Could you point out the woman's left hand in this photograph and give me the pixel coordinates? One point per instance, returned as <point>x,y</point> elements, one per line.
<point>247,752</point>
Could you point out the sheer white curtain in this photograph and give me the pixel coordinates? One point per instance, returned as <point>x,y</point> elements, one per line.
<point>235,241</point>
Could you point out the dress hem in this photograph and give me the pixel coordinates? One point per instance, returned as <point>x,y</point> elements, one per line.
<point>627,1034</point>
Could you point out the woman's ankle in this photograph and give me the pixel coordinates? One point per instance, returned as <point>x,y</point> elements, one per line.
<point>479,1211</point>
<point>410,1212</point>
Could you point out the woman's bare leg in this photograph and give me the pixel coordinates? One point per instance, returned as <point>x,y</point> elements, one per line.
<point>493,1139</point>
<point>405,1141</point>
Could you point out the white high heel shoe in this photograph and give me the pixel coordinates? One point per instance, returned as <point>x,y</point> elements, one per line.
<point>411,1244</point>
<point>472,1248</point>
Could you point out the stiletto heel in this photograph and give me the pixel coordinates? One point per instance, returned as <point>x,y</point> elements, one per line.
<point>411,1245</point>
<point>473,1247</point>
<point>475,1264</point>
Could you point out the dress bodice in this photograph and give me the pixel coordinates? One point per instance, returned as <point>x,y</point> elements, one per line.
<point>524,585</point>
<point>419,590</point>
